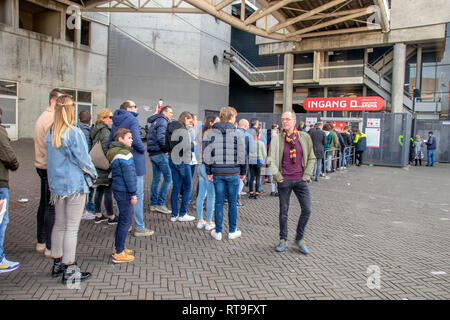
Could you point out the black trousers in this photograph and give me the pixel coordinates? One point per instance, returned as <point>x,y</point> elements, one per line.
<point>420,161</point>
<point>255,173</point>
<point>45,213</point>
<point>359,157</point>
<point>104,192</point>
<point>301,191</point>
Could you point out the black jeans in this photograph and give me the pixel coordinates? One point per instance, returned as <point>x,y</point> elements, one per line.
<point>105,191</point>
<point>359,157</point>
<point>45,213</point>
<point>255,173</point>
<point>301,191</point>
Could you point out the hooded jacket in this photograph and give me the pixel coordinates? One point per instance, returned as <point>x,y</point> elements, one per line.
<point>221,151</point>
<point>87,133</point>
<point>127,119</point>
<point>156,137</point>
<point>123,170</point>
<point>180,150</point>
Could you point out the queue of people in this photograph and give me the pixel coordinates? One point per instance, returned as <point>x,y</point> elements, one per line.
<point>80,167</point>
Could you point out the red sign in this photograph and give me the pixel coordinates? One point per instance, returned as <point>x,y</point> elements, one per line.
<point>344,104</point>
<point>338,126</point>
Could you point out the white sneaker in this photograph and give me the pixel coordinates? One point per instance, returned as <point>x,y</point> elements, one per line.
<point>7,266</point>
<point>174,219</point>
<point>217,236</point>
<point>242,193</point>
<point>186,217</point>
<point>87,216</point>
<point>201,225</point>
<point>209,227</point>
<point>234,235</point>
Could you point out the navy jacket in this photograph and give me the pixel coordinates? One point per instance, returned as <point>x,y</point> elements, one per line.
<point>128,120</point>
<point>156,137</point>
<point>123,170</point>
<point>431,143</point>
<point>87,133</point>
<point>218,165</point>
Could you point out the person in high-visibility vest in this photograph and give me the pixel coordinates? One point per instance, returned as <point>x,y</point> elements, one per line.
<point>360,143</point>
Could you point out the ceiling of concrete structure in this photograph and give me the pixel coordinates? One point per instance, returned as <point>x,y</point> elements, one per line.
<point>286,20</point>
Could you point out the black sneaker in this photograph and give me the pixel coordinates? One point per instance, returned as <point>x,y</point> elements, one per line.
<point>113,221</point>
<point>101,219</point>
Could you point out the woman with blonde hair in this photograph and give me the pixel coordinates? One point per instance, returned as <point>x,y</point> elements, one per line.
<point>70,172</point>
<point>418,150</point>
<point>100,133</point>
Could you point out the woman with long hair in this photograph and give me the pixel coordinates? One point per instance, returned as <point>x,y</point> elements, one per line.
<point>70,172</point>
<point>100,133</point>
<point>180,157</point>
<point>205,187</point>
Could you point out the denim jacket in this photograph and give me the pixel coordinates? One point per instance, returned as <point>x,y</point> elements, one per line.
<point>67,165</point>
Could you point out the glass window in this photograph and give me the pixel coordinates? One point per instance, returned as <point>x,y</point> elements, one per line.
<point>9,110</point>
<point>84,96</point>
<point>443,78</point>
<point>85,35</point>
<point>8,88</point>
<point>428,83</point>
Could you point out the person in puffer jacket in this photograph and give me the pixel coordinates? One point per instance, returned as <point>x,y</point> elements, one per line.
<point>224,167</point>
<point>124,187</point>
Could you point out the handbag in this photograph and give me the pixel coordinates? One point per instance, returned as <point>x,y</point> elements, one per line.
<point>98,157</point>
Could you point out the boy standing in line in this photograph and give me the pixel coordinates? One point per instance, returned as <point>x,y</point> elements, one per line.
<point>124,187</point>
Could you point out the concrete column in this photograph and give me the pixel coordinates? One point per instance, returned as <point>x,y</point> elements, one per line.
<point>419,69</point>
<point>316,65</point>
<point>398,77</point>
<point>288,86</point>
<point>325,95</point>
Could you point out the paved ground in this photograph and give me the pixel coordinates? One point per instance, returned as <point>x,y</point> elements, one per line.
<point>395,219</point>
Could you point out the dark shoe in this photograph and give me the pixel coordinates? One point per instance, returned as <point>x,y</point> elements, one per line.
<point>101,219</point>
<point>277,194</point>
<point>113,221</point>
<point>315,179</point>
<point>72,273</point>
<point>252,196</point>
<point>57,268</point>
<point>272,194</point>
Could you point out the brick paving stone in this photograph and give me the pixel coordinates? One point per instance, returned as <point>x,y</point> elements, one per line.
<point>354,224</point>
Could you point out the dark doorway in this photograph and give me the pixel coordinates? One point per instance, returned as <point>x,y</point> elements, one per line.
<point>298,108</point>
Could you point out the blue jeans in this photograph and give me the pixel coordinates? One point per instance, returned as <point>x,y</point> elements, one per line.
<point>205,188</point>
<point>125,219</point>
<point>317,168</point>
<point>139,206</point>
<point>430,157</point>
<point>181,175</point>
<point>3,195</point>
<point>230,183</point>
<point>160,164</point>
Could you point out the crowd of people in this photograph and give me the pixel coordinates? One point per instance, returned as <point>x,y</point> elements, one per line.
<point>82,165</point>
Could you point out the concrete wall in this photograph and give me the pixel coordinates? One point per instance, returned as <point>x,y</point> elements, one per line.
<point>168,56</point>
<point>40,63</point>
<point>414,13</point>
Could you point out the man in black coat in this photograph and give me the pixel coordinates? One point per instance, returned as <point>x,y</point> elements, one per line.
<point>319,140</point>
<point>157,151</point>
<point>347,136</point>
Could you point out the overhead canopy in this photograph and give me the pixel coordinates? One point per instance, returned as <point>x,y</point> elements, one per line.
<point>287,20</point>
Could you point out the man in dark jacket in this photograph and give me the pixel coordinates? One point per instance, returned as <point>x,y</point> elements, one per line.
<point>431,149</point>
<point>224,168</point>
<point>157,151</point>
<point>319,140</point>
<point>343,145</point>
<point>126,117</point>
<point>8,161</point>
<point>360,143</point>
<point>347,135</point>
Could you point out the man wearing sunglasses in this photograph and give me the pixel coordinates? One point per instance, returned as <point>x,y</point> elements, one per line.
<point>126,117</point>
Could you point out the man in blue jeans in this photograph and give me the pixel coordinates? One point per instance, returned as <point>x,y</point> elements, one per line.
<point>431,149</point>
<point>8,161</point>
<point>126,117</point>
<point>157,151</point>
<point>225,166</point>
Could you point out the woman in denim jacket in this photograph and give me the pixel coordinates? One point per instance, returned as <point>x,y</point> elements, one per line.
<point>69,168</point>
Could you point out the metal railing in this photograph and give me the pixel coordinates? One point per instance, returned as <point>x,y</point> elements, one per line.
<point>343,159</point>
